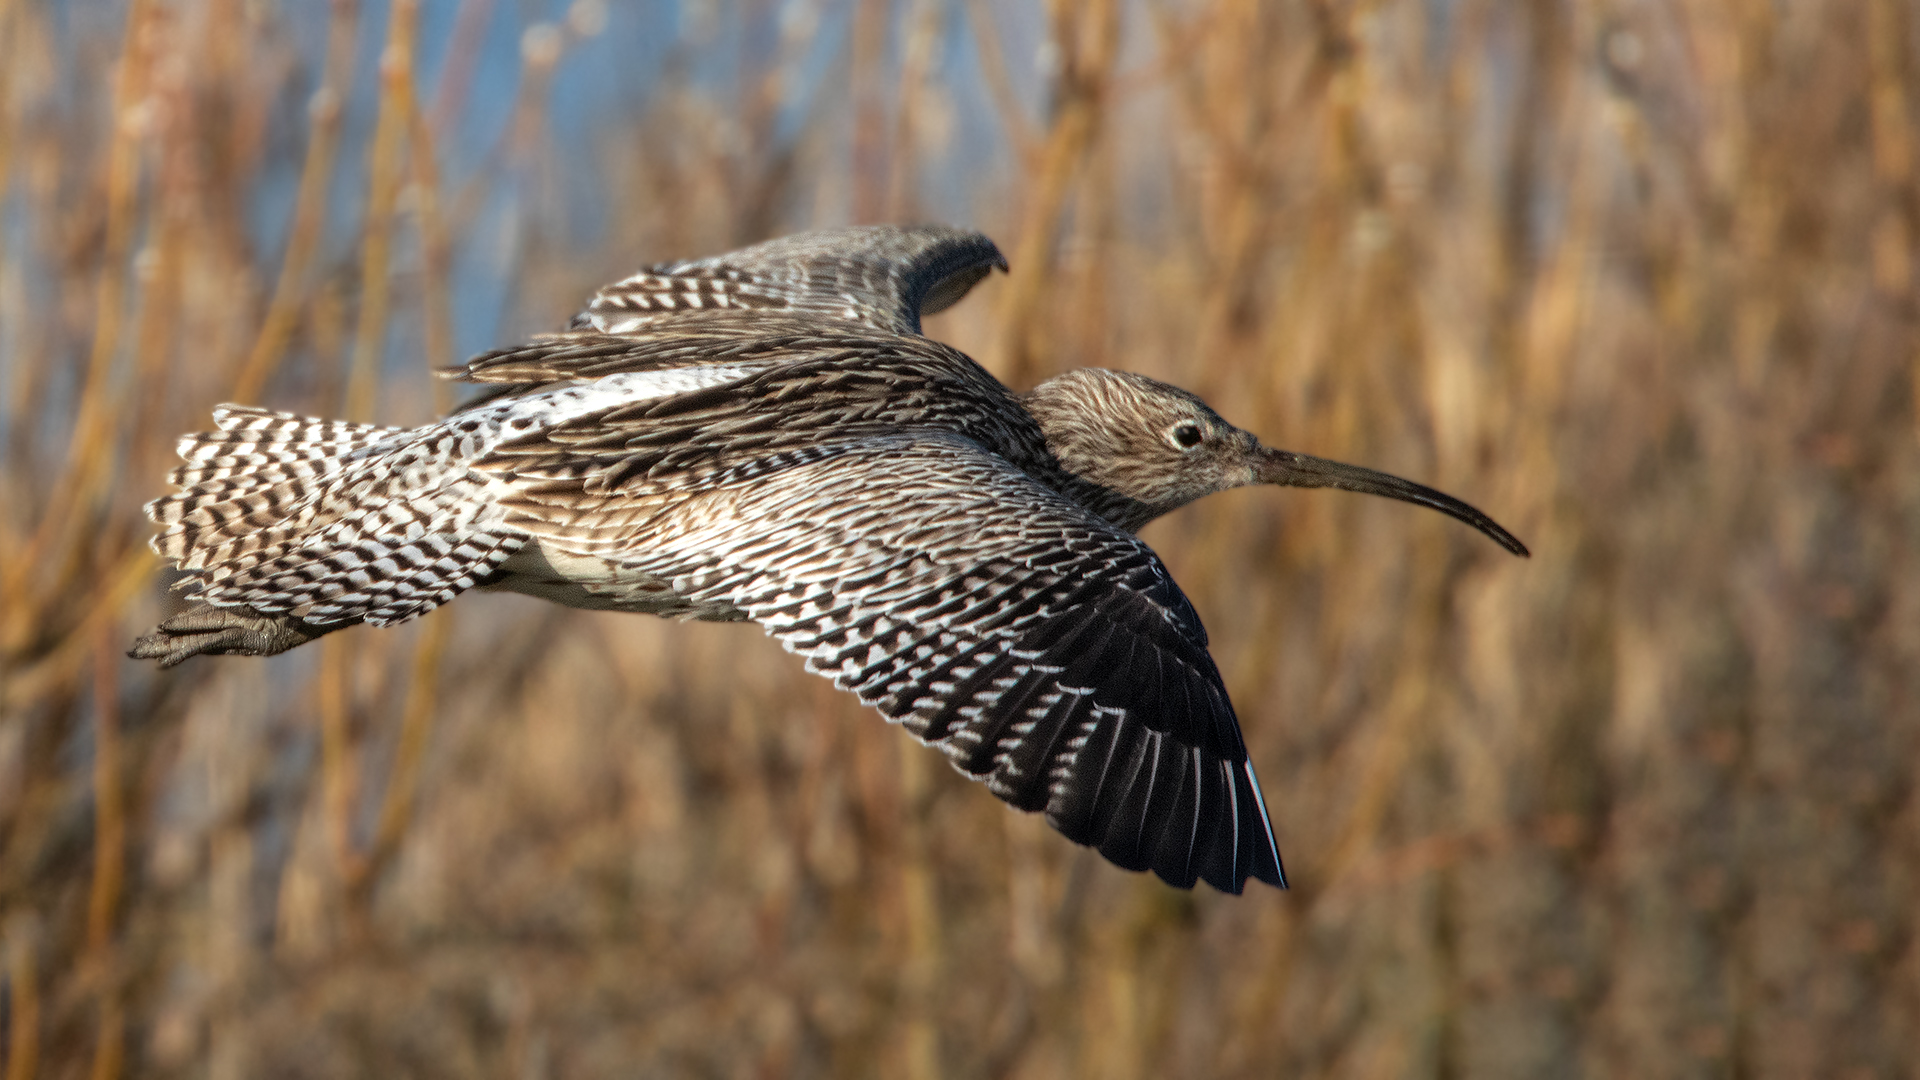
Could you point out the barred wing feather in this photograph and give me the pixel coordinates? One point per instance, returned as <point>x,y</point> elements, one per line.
<point>695,340</point>
<point>1046,652</point>
<point>883,276</point>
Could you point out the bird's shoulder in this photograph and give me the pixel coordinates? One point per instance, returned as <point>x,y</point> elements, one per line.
<point>611,412</point>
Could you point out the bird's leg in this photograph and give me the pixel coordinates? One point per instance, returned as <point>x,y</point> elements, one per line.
<point>218,631</point>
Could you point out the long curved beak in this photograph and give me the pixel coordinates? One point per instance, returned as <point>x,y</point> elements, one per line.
<point>1289,469</point>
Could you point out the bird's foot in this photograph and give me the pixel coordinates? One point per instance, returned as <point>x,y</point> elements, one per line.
<point>217,631</point>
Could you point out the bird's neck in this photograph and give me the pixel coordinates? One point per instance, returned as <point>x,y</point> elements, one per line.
<point>1119,510</point>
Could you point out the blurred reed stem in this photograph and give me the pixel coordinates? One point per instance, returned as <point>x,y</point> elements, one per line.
<point>383,193</point>
<point>109,855</point>
<point>1087,38</point>
<point>339,788</point>
<point>993,71</point>
<point>91,444</point>
<point>920,970</point>
<point>23,995</point>
<point>416,725</point>
<point>130,574</point>
<point>7,136</point>
<point>309,207</point>
<point>436,306</point>
<point>868,166</point>
<point>922,21</point>
<point>456,74</point>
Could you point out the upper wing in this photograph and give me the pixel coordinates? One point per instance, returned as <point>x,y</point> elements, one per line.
<point>885,276</point>
<point>695,339</point>
<point>1046,652</point>
<point>811,291</point>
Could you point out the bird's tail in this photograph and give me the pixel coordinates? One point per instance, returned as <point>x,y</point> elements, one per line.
<point>289,527</point>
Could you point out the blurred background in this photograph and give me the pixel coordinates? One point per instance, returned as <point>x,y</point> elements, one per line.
<point>1635,276</point>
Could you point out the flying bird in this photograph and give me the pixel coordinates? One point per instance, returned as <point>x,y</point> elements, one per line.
<point>766,436</point>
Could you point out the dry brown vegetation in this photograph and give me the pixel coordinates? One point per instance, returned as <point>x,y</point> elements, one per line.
<point>1636,277</point>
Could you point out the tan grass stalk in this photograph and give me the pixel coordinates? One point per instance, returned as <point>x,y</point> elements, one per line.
<point>109,853</point>
<point>90,446</point>
<point>1087,37</point>
<point>130,575</point>
<point>868,169</point>
<point>383,192</point>
<point>23,943</point>
<point>309,208</point>
<point>339,788</point>
<point>993,67</point>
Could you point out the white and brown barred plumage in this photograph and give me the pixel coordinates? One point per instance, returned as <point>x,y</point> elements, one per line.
<point>766,436</point>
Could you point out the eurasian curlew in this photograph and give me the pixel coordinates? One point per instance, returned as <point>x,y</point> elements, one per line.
<point>766,436</point>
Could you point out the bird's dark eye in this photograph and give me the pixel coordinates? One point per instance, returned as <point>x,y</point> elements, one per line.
<point>1187,436</point>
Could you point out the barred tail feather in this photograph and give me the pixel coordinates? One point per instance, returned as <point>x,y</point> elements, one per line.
<point>258,467</point>
<point>319,524</point>
<point>344,576</point>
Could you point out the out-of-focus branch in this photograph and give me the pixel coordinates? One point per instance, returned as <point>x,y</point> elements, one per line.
<point>109,852</point>
<point>1893,137</point>
<point>920,914</point>
<point>117,586</point>
<point>89,449</point>
<point>922,44</point>
<point>6,126</point>
<point>339,767</point>
<point>416,724</point>
<point>383,194</point>
<point>309,208</point>
<point>993,68</point>
<point>871,19</point>
<point>158,268</point>
<point>23,996</point>
<point>1088,38</point>
<point>456,72</point>
<point>436,315</point>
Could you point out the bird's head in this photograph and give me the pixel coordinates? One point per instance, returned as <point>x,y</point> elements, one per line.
<point>1145,448</point>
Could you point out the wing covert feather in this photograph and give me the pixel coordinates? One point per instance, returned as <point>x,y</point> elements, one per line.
<point>882,276</point>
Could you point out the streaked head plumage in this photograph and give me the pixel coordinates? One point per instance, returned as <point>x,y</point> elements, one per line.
<point>1141,448</point>
<point>1156,446</point>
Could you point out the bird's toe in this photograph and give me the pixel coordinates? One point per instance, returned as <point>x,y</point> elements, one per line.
<point>218,632</point>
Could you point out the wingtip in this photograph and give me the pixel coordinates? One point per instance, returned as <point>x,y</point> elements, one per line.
<point>1260,867</point>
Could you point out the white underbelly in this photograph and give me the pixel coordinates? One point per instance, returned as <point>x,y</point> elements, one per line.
<point>599,584</point>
